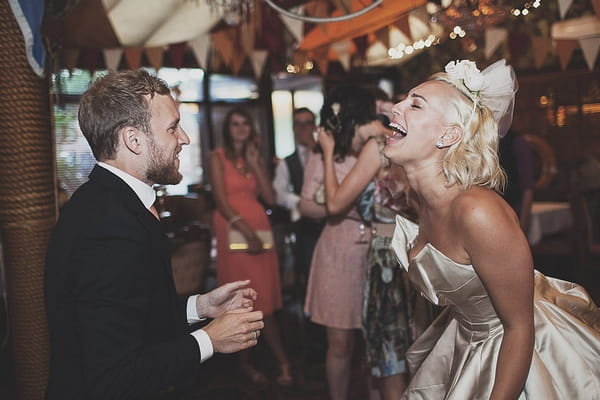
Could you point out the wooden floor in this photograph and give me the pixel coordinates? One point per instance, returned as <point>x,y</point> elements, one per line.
<point>305,344</point>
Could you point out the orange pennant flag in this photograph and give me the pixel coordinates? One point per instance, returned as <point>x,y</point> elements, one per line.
<point>133,56</point>
<point>155,56</point>
<point>223,44</point>
<point>383,36</point>
<point>565,48</point>
<point>404,26</point>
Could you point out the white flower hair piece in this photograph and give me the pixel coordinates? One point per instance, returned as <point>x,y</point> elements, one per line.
<point>494,87</point>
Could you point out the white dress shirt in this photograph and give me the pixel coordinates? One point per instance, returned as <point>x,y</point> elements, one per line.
<point>283,186</point>
<point>147,196</point>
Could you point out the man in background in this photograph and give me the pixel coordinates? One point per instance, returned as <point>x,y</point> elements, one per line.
<point>288,185</point>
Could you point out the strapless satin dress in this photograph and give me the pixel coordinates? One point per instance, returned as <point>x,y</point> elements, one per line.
<point>455,358</point>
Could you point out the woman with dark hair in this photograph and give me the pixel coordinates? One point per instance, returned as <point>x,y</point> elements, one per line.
<point>238,177</point>
<point>337,272</point>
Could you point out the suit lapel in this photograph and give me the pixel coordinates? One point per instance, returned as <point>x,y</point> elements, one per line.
<point>160,243</point>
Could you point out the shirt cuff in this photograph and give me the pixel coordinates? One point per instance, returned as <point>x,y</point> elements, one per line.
<point>192,310</point>
<point>204,344</point>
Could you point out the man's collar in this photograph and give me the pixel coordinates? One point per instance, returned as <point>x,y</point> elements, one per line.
<point>146,193</point>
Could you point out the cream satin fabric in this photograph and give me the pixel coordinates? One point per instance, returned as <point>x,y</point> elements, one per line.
<point>456,356</point>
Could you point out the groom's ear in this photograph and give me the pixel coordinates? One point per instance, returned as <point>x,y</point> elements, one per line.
<point>131,138</point>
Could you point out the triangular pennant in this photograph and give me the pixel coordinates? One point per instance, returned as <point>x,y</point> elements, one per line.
<point>295,26</point>
<point>342,49</point>
<point>565,48</point>
<point>404,26</point>
<point>318,9</point>
<point>200,47</point>
<point>133,56</point>
<point>155,56</point>
<point>223,45</point>
<point>493,38</point>
<point>383,36</point>
<point>322,60</point>
<point>361,43</point>
<point>540,46</point>
<point>112,58</point>
<point>258,60</point>
<point>563,7</point>
<point>590,47</point>
<point>421,14</point>
<point>91,59</point>
<point>71,57</point>
<point>596,5</point>
<point>247,36</point>
<point>177,54</point>
<point>237,62</point>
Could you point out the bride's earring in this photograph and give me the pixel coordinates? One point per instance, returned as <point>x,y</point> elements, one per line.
<point>439,144</point>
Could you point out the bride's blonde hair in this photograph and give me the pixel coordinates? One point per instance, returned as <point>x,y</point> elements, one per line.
<point>474,159</point>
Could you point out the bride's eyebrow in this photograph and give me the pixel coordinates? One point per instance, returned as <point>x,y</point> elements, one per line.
<point>419,97</point>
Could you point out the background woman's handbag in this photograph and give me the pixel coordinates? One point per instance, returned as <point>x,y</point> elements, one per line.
<point>237,241</point>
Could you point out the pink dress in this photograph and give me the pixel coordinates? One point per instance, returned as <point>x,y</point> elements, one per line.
<point>334,294</point>
<point>262,269</point>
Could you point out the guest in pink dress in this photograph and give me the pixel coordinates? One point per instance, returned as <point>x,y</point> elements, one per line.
<point>238,177</point>
<point>338,269</point>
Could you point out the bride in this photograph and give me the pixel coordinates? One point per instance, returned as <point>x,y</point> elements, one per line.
<point>507,332</point>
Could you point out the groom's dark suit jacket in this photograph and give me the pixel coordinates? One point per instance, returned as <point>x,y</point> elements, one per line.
<point>117,327</point>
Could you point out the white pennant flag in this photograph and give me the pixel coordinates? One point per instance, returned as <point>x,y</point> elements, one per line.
<point>493,38</point>
<point>342,49</point>
<point>563,7</point>
<point>295,26</point>
<point>258,59</point>
<point>112,58</point>
<point>590,47</point>
<point>200,47</point>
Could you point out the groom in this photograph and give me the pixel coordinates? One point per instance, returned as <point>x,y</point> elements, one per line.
<point>117,328</point>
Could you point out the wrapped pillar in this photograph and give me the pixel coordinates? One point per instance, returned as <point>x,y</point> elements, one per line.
<point>27,204</point>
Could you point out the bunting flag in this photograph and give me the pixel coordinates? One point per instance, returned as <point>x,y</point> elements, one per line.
<point>565,48</point>
<point>383,35</point>
<point>247,36</point>
<point>596,5</point>
<point>295,26</point>
<point>590,47</point>
<point>362,44</point>
<point>155,56</point>
<point>541,47</point>
<point>200,47</point>
<point>422,15</point>
<point>322,59</point>
<point>237,62</point>
<point>563,7</point>
<point>29,15</point>
<point>223,45</point>
<point>133,56</point>
<point>404,26</point>
<point>177,54</point>
<point>493,38</point>
<point>112,58</point>
<point>71,57</point>
<point>342,49</point>
<point>91,59</point>
<point>258,60</point>
<point>518,44</point>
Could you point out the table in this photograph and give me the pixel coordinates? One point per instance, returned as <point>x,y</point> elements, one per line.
<point>547,218</point>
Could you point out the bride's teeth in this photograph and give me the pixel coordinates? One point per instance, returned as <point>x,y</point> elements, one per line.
<point>398,128</point>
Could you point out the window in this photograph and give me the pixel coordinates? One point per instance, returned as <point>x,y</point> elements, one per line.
<point>292,92</point>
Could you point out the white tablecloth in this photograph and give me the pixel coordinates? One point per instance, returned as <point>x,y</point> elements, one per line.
<point>548,218</point>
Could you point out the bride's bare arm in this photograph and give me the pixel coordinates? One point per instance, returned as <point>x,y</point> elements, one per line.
<point>500,254</point>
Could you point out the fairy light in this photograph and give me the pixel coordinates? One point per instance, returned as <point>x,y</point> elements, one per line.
<point>402,49</point>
